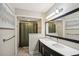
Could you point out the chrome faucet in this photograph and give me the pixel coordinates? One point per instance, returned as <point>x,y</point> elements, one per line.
<point>57,40</point>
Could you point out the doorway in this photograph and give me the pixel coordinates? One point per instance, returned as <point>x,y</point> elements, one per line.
<point>25,28</point>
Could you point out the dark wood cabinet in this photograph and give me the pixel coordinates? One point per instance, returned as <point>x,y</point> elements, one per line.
<point>46,51</point>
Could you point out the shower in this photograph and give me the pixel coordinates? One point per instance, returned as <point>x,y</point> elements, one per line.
<point>26,27</point>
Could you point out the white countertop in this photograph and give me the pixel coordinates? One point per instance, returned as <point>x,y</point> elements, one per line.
<point>60,48</point>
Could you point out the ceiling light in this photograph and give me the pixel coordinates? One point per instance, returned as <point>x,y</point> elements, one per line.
<point>57,11</point>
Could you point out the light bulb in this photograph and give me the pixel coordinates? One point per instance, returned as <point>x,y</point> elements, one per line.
<point>57,11</point>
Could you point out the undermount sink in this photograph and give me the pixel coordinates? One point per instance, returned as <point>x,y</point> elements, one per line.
<point>57,45</point>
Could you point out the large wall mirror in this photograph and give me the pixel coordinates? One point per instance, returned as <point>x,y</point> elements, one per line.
<point>65,26</point>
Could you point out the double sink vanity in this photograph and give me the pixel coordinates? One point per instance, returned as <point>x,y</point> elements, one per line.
<point>48,47</point>
<point>66,28</point>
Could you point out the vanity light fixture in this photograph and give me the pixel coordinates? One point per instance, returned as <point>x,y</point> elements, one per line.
<point>60,10</point>
<point>57,11</point>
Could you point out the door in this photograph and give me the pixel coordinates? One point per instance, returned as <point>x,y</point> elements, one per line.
<point>7,47</point>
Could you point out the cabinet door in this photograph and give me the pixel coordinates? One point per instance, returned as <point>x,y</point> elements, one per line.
<point>46,52</point>
<point>7,47</point>
<point>41,48</point>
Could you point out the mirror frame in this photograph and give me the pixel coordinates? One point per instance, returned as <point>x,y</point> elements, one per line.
<point>58,37</point>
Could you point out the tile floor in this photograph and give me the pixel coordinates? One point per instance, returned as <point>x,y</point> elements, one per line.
<point>24,51</point>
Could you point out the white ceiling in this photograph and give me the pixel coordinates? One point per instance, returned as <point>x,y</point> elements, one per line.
<point>36,7</point>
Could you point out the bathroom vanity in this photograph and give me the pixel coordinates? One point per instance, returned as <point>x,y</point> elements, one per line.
<point>65,30</point>
<point>48,47</point>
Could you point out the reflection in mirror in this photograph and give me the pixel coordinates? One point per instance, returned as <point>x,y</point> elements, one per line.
<point>51,28</point>
<point>54,28</point>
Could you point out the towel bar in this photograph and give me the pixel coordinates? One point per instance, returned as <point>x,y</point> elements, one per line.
<point>8,39</point>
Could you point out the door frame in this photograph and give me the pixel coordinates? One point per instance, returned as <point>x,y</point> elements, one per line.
<point>17,29</point>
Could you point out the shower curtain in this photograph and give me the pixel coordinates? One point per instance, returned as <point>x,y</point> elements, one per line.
<point>25,29</point>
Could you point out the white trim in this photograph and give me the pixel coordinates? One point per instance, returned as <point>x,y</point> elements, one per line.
<point>30,16</point>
